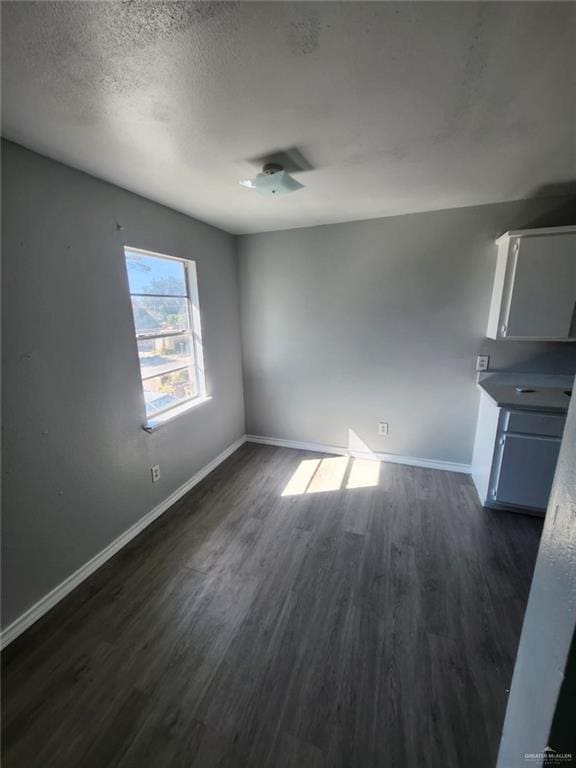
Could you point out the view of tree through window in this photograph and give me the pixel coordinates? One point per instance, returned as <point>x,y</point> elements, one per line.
<point>167,340</point>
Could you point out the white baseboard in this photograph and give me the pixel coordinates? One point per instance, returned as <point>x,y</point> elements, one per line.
<point>411,461</point>
<point>38,610</point>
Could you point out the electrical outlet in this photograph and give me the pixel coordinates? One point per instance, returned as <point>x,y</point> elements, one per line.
<point>155,472</point>
<point>482,362</point>
<point>383,428</point>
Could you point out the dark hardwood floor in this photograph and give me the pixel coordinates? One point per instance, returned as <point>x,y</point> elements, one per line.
<point>375,625</point>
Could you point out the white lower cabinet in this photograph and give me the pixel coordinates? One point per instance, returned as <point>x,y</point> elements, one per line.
<point>524,467</point>
<point>515,456</point>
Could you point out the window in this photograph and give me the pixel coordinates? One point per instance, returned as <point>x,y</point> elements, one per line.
<point>164,295</point>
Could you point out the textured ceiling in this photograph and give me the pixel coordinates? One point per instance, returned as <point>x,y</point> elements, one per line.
<point>399,107</point>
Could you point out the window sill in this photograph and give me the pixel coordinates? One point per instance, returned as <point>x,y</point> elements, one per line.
<point>165,418</point>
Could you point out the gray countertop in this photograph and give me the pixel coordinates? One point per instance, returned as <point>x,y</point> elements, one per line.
<point>548,390</point>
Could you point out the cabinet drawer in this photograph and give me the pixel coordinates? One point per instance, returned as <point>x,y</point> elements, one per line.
<point>547,424</point>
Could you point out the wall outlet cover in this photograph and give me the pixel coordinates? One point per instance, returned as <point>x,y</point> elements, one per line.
<point>482,362</point>
<point>155,473</point>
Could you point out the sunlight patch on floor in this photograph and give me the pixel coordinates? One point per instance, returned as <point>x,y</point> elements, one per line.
<point>364,473</point>
<point>301,478</point>
<point>332,474</point>
<point>329,475</point>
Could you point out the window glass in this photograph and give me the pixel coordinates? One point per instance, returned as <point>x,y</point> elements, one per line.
<point>155,315</point>
<point>168,334</point>
<point>161,355</point>
<point>153,275</point>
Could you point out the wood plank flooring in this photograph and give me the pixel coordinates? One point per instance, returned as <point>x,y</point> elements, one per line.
<point>366,626</point>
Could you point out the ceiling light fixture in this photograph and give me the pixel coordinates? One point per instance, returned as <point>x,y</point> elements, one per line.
<point>273,180</point>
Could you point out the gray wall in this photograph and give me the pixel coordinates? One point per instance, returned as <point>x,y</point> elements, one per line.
<point>76,462</point>
<point>348,324</point>
<point>549,625</point>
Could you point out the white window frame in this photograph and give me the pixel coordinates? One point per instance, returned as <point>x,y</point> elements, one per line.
<point>194,334</point>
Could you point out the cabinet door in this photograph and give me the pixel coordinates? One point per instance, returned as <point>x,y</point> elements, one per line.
<point>542,297</point>
<point>525,470</point>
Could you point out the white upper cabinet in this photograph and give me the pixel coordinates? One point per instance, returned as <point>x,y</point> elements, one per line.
<point>534,294</point>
